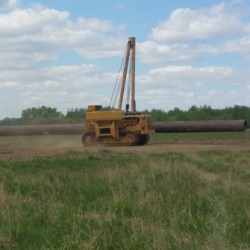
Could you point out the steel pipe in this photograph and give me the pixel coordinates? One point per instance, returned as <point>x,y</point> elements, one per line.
<point>62,129</point>
<point>199,126</point>
<point>160,127</point>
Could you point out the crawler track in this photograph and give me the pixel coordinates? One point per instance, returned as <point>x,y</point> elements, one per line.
<point>130,139</point>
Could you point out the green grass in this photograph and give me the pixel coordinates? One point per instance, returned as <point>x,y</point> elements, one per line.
<point>108,201</point>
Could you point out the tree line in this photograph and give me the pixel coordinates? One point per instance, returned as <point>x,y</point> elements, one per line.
<point>48,115</point>
<point>205,112</point>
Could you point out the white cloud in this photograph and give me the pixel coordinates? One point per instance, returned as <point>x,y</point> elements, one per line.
<point>30,21</point>
<point>247,28</point>
<point>177,74</point>
<point>66,86</point>
<point>9,85</point>
<point>8,4</point>
<point>152,52</point>
<point>30,36</point>
<point>242,45</point>
<point>186,94</point>
<point>221,98</point>
<point>188,76</point>
<point>190,25</point>
<point>74,70</point>
<point>191,35</point>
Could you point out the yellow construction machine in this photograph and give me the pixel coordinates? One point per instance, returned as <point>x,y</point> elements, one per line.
<point>114,126</point>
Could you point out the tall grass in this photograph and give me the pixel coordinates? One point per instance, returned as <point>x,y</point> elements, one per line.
<point>108,201</point>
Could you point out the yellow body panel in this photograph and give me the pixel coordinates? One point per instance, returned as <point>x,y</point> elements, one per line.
<point>116,128</point>
<point>104,115</point>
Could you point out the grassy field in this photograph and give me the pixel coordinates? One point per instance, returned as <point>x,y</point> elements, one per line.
<point>108,200</point>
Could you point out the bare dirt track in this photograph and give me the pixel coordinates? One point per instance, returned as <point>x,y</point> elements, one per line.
<point>28,147</point>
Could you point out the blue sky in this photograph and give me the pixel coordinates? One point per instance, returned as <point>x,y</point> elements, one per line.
<point>66,54</point>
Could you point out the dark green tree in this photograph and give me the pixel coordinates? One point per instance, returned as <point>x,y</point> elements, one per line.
<point>41,115</point>
<point>75,113</point>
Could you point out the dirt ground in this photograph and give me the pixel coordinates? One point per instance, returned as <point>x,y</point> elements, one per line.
<point>21,152</point>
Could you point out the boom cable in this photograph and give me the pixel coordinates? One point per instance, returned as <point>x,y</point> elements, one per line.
<point>116,88</point>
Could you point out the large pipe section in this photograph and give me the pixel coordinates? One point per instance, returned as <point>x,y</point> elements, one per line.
<point>160,127</point>
<point>62,129</point>
<point>200,126</point>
